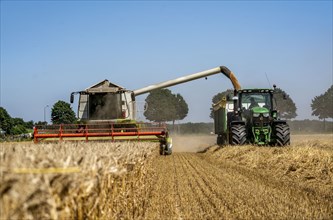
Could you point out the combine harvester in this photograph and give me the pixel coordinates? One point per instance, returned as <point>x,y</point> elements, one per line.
<point>107,111</point>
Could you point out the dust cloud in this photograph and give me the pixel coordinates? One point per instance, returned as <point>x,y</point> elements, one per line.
<point>192,143</point>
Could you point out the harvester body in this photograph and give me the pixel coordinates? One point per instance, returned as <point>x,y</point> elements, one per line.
<point>251,117</point>
<point>105,101</point>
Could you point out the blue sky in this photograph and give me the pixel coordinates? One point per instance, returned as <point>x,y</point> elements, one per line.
<point>52,48</point>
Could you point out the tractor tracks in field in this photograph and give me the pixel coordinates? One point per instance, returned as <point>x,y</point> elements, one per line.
<point>193,186</point>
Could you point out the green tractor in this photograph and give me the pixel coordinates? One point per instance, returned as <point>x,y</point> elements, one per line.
<point>250,117</point>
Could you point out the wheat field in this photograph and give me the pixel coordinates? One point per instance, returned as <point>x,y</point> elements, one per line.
<point>72,180</point>
<point>131,181</point>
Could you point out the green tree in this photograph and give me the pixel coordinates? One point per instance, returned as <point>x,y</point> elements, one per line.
<point>181,107</point>
<point>165,106</point>
<point>6,122</point>
<point>218,97</point>
<point>18,129</point>
<point>284,104</point>
<point>322,105</point>
<point>41,123</point>
<point>13,126</point>
<point>18,121</point>
<point>62,113</point>
<point>29,124</point>
<point>19,126</point>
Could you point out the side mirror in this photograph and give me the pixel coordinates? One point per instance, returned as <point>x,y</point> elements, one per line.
<point>72,97</point>
<point>274,114</point>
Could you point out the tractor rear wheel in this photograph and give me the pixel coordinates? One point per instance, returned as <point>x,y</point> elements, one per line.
<point>238,134</point>
<point>282,133</point>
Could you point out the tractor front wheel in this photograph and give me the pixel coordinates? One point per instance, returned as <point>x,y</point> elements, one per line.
<point>282,133</point>
<point>238,134</point>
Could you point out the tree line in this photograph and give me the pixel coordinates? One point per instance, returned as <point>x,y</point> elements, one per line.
<point>13,126</point>
<point>61,113</point>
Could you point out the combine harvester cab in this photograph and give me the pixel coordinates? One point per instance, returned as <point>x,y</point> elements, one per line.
<point>107,111</point>
<point>251,117</point>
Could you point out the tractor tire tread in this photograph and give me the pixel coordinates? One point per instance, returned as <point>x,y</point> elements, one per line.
<point>238,134</point>
<point>282,134</point>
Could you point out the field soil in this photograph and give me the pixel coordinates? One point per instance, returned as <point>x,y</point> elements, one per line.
<point>244,182</point>
<point>192,143</point>
<point>200,180</point>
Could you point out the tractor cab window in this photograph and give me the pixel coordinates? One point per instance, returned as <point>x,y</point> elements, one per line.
<point>251,100</point>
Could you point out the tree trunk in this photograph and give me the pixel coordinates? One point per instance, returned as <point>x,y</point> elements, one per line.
<point>324,125</point>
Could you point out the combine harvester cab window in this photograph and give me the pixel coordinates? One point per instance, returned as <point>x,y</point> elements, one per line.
<point>104,106</point>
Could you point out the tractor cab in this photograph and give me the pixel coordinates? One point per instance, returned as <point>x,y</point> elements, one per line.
<point>254,103</point>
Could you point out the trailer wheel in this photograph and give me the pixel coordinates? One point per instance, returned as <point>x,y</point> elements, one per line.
<point>282,133</point>
<point>238,134</point>
<point>221,139</point>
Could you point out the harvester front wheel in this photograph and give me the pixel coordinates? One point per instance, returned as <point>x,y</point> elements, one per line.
<point>282,133</point>
<point>162,149</point>
<point>166,148</point>
<point>168,151</point>
<point>238,134</point>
